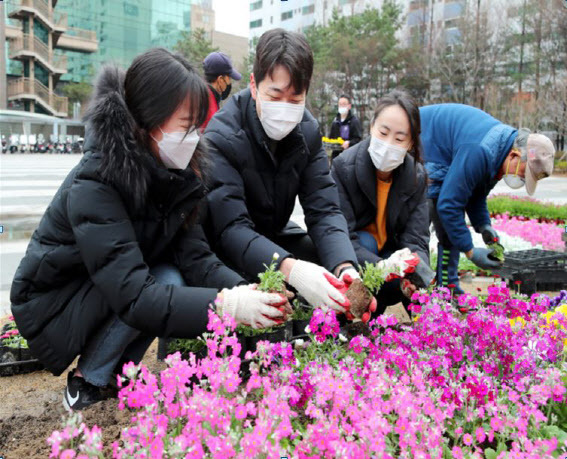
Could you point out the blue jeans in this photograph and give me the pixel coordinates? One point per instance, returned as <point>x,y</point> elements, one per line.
<point>368,242</point>
<point>117,343</point>
<point>391,292</point>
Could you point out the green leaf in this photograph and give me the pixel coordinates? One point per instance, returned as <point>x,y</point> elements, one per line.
<point>489,453</point>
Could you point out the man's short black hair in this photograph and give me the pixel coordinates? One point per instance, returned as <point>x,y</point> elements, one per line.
<point>344,96</point>
<point>289,49</point>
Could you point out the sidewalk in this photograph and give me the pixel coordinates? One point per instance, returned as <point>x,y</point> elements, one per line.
<point>11,253</point>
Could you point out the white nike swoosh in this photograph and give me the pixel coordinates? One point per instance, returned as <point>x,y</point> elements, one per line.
<point>72,400</point>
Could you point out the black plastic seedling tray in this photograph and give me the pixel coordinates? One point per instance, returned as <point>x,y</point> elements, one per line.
<point>15,361</point>
<point>534,270</point>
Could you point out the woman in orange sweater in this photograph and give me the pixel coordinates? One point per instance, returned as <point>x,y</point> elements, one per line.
<point>382,187</point>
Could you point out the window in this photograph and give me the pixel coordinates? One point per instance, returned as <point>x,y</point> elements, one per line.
<point>40,32</point>
<point>271,19</point>
<point>256,23</point>
<point>256,5</point>
<point>130,9</point>
<point>344,2</point>
<point>287,15</point>
<point>308,9</point>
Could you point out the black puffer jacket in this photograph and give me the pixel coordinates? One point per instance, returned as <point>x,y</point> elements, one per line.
<point>407,214</point>
<point>253,190</point>
<point>117,213</point>
<point>355,128</point>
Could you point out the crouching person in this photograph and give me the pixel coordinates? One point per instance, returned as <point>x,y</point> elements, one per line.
<point>118,258</point>
<point>266,150</point>
<point>382,188</point>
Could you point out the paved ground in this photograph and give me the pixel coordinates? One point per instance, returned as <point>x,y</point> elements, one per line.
<point>28,183</point>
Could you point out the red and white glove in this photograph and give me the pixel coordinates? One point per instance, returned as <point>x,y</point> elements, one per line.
<point>399,264</point>
<point>347,277</point>
<point>318,286</point>
<point>408,289</point>
<point>252,307</point>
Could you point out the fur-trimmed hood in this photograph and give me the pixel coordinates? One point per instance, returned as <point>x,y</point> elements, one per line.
<point>111,130</point>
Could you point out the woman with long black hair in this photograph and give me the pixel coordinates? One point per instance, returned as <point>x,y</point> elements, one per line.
<point>119,256</point>
<point>382,189</point>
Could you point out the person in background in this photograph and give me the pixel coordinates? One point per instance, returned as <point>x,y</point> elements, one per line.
<point>219,74</point>
<point>346,125</point>
<point>119,256</point>
<point>382,188</point>
<point>266,151</point>
<point>467,152</point>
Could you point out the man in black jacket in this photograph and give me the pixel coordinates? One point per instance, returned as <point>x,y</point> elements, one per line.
<point>266,151</point>
<point>346,125</point>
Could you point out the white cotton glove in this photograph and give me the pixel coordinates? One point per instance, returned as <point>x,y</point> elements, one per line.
<point>399,264</point>
<point>318,286</point>
<point>251,307</point>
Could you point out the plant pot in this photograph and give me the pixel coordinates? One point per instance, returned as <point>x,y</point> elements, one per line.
<point>300,324</point>
<point>283,332</point>
<point>299,327</point>
<point>15,361</point>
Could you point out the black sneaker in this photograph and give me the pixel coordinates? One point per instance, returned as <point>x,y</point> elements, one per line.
<point>79,393</point>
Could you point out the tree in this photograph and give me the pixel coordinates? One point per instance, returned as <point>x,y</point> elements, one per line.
<point>357,55</point>
<point>77,92</point>
<point>195,46</point>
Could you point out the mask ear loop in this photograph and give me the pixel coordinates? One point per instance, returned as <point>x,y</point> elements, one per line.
<point>518,167</point>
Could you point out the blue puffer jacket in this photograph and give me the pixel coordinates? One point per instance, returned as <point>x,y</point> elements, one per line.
<point>464,150</point>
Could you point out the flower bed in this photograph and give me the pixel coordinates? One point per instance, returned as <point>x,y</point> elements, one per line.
<point>527,207</point>
<point>548,235</point>
<point>490,384</point>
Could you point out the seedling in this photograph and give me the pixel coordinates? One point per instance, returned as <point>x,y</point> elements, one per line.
<point>372,277</point>
<point>300,312</point>
<point>186,346</point>
<point>272,280</point>
<point>497,252</point>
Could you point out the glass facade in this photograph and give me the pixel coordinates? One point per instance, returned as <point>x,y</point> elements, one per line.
<point>124,29</point>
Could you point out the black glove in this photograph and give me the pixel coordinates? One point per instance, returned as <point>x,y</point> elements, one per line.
<point>480,258</point>
<point>489,235</point>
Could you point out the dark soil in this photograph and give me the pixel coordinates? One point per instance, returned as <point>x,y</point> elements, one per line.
<point>31,409</point>
<point>357,328</point>
<point>359,298</point>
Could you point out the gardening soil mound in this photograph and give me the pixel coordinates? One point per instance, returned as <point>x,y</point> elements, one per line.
<point>32,408</point>
<point>359,298</point>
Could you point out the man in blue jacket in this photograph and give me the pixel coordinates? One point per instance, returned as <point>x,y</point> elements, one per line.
<point>467,152</point>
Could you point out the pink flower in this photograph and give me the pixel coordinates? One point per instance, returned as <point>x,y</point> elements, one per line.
<point>496,423</point>
<point>231,384</point>
<point>467,439</point>
<point>67,454</point>
<point>240,412</point>
<point>480,435</point>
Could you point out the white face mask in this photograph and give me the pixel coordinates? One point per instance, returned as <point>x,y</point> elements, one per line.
<point>343,110</point>
<point>279,118</point>
<point>385,157</point>
<point>176,149</point>
<point>514,181</point>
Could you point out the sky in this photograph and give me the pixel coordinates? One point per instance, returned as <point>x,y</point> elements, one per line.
<point>232,16</point>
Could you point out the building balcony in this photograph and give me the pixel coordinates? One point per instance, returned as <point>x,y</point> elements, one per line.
<point>56,22</point>
<point>25,47</point>
<point>75,39</point>
<point>28,89</point>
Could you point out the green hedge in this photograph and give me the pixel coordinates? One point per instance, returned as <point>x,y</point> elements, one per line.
<point>527,207</point>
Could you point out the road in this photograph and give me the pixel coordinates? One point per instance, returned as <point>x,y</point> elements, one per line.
<point>28,183</point>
